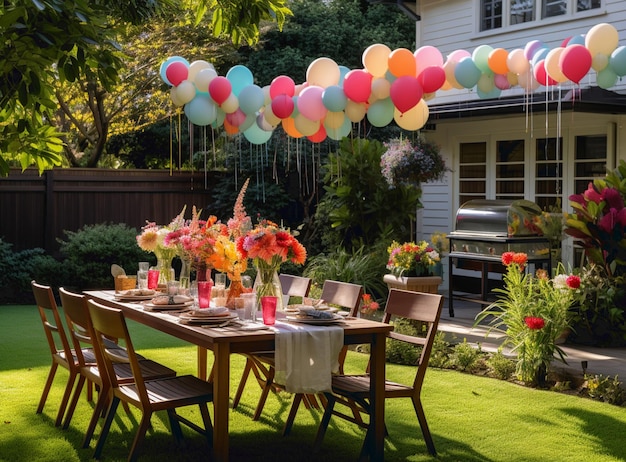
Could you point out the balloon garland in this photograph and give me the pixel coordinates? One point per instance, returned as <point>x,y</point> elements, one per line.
<point>393,85</point>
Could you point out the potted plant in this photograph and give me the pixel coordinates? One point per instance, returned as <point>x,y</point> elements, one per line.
<point>412,266</point>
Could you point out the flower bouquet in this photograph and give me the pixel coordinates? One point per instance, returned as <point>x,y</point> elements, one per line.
<point>153,239</point>
<point>269,246</point>
<point>412,259</point>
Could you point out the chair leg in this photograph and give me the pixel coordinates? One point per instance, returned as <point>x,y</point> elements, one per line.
<point>66,398</point>
<point>175,426</point>
<point>75,397</point>
<point>242,383</point>
<point>97,411</point>
<point>264,393</point>
<point>106,427</point>
<point>140,435</point>
<point>208,426</point>
<point>321,430</point>
<point>292,413</point>
<point>421,417</point>
<point>47,386</point>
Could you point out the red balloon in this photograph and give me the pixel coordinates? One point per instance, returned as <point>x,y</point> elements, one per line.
<point>176,72</point>
<point>405,93</point>
<point>575,62</point>
<point>432,78</point>
<point>282,85</point>
<point>236,118</point>
<point>541,75</point>
<point>220,89</point>
<point>357,85</point>
<point>319,136</point>
<point>282,106</point>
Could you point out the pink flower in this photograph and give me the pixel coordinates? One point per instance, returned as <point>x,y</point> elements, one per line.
<point>534,323</point>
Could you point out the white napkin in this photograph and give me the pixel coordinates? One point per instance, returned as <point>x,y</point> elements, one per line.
<point>306,356</point>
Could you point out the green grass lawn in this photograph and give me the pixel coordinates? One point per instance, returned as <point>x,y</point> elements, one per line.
<point>471,418</point>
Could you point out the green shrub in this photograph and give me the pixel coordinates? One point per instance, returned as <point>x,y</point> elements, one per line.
<point>90,251</point>
<point>401,352</point>
<point>465,357</point>
<point>18,269</point>
<point>605,389</point>
<point>500,366</point>
<point>440,354</point>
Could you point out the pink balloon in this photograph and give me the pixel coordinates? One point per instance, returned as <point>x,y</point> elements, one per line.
<point>220,89</point>
<point>575,62</point>
<point>541,74</point>
<point>282,85</point>
<point>432,78</point>
<point>458,55</point>
<point>427,56</point>
<point>282,106</point>
<point>357,85</point>
<point>405,93</point>
<point>501,82</point>
<point>310,103</point>
<point>236,118</point>
<point>176,72</point>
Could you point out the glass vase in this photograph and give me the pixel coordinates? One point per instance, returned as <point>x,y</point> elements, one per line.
<point>166,272</point>
<point>267,283</point>
<point>234,291</point>
<point>185,273</point>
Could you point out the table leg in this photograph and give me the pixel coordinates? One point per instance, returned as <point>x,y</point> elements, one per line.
<point>202,359</point>
<point>377,399</point>
<point>221,402</point>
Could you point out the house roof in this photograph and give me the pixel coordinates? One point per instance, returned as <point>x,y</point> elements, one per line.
<point>592,100</point>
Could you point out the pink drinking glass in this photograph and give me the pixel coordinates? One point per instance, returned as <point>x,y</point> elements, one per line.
<point>204,293</point>
<point>153,279</point>
<point>268,306</point>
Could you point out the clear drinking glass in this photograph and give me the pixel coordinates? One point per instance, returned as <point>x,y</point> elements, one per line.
<point>142,275</point>
<point>193,293</point>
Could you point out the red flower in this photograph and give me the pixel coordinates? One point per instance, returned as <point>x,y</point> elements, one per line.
<point>573,282</point>
<point>520,258</point>
<point>534,323</point>
<point>507,258</point>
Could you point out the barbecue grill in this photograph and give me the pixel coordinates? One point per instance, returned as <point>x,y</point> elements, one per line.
<point>484,230</point>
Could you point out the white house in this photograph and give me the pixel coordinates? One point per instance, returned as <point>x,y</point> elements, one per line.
<point>543,144</point>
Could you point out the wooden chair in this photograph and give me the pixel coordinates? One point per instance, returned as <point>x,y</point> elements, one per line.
<point>261,364</point>
<point>61,352</point>
<point>81,332</point>
<point>353,390</point>
<point>149,396</point>
<point>343,294</point>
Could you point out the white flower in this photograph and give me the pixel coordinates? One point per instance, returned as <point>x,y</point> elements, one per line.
<point>560,281</point>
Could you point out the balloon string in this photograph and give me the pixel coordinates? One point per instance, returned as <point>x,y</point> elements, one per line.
<point>171,137</point>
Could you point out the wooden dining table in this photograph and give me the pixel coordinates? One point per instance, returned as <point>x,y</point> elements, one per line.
<point>225,341</point>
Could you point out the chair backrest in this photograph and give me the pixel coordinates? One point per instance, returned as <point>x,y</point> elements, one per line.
<point>51,319</point>
<point>344,294</point>
<point>110,323</point>
<point>78,320</point>
<point>295,286</point>
<point>417,306</point>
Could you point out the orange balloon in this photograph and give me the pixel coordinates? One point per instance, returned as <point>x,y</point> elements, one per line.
<point>230,128</point>
<point>497,61</point>
<point>289,125</point>
<point>402,62</point>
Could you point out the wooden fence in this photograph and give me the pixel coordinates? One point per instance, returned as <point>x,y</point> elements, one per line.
<point>36,210</point>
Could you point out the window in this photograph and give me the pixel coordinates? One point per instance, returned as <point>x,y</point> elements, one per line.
<point>472,171</point>
<point>495,14</point>
<point>590,161</point>
<point>549,173</point>
<point>510,170</point>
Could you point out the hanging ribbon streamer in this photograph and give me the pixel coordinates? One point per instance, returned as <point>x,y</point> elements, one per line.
<point>171,141</point>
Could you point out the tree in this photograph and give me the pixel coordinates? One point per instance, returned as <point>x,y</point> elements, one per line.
<point>49,41</point>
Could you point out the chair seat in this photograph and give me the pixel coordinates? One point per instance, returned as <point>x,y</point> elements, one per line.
<point>359,386</point>
<point>175,391</point>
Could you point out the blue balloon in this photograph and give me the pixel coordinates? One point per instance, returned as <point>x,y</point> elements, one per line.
<point>618,61</point>
<point>251,99</point>
<point>380,113</point>
<point>539,55</point>
<point>334,98</point>
<point>256,135</point>
<point>167,62</point>
<point>577,40</point>
<point>467,73</point>
<point>201,111</point>
<point>341,132</point>
<point>343,70</point>
<point>239,77</point>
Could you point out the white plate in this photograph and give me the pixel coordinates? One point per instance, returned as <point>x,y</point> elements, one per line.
<point>133,298</point>
<point>316,321</point>
<point>194,316</point>
<point>254,326</point>
<point>206,320</point>
<point>177,306</point>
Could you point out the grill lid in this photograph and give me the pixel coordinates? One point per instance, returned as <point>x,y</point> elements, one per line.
<point>498,218</point>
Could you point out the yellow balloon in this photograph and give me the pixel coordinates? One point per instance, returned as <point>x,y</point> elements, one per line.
<point>231,104</point>
<point>413,119</point>
<point>197,66</point>
<point>375,59</point>
<point>186,91</point>
<point>176,100</point>
<point>599,62</point>
<point>448,68</point>
<point>270,117</point>
<point>602,38</point>
<point>381,88</point>
<point>306,126</point>
<point>552,65</point>
<point>355,111</point>
<point>323,72</point>
<point>334,119</point>
<point>517,61</point>
<point>512,78</point>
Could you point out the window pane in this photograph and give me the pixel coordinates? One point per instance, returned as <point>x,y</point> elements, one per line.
<point>590,161</point>
<point>548,172</point>
<point>584,5</point>
<point>509,167</point>
<point>491,14</point>
<point>554,8</point>
<point>472,171</point>
<point>522,11</point>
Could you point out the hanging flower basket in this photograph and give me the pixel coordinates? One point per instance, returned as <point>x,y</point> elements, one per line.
<point>409,164</point>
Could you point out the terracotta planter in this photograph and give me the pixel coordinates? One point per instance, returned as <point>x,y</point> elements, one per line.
<point>427,284</point>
